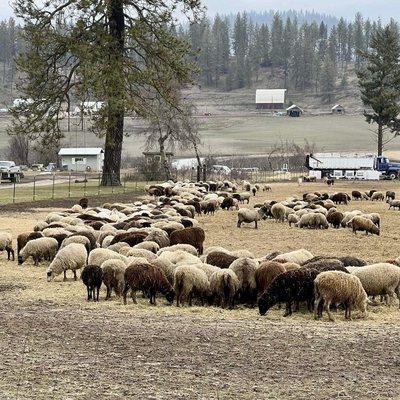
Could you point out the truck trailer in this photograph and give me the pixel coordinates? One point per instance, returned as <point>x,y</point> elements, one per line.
<point>351,166</point>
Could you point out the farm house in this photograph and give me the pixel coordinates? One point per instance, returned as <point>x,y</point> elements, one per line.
<point>82,159</point>
<point>294,111</point>
<point>337,109</point>
<point>270,99</point>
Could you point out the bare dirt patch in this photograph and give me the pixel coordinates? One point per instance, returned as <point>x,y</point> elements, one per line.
<point>55,345</point>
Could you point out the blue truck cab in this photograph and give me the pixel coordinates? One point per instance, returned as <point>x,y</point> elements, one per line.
<point>390,169</point>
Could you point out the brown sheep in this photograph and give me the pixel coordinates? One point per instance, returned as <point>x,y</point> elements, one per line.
<point>83,202</point>
<point>193,236</point>
<point>335,218</point>
<point>148,278</point>
<point>266,273</point>
<point>131,238</point>
<point>245,269</point>
<point>220,259</point>
<point>24,238</point>
<point>359,223</point>
<point>224,285</point>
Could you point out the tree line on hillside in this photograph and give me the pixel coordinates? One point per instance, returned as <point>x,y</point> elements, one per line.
<point>300,56</point>
<point>10,46</point>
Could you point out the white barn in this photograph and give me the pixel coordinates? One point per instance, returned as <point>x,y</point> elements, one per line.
<point>270,99</point>
<point>82,159</point>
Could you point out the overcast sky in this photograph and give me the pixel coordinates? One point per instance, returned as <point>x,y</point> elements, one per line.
<point>346,8</point>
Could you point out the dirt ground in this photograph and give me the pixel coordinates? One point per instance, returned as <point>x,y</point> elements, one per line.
<point>55,345</point>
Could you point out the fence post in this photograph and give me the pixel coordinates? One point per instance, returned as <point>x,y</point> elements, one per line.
<point>112,184</point>
<point>34,188</point>
<point>84,186</point>
<point>99,185</point>
<point>69,185</point>
<point>14,192</point>
<point>52,190</point>
<point>124,183</point>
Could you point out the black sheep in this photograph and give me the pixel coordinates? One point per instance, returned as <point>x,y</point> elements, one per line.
<point>92,277</point>
<point>335,219</point>
<point>227,203</point>
<point>352,261</point>
<point>291,286</point>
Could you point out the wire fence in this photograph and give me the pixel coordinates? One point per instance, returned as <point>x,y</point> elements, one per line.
<point>52,186</point>
<point>252,176</point>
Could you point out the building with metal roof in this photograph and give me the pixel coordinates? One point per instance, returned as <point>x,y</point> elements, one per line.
<point>270,99</point>
<point>82,159</point>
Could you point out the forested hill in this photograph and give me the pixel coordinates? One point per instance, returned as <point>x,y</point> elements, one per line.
<point>267,17</point>
<point>306,52</point>
<point>303,52</point>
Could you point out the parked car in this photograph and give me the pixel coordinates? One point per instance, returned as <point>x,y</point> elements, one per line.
<point>10,172</point>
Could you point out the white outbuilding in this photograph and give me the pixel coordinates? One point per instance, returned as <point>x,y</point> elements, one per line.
<point>82,159</point>
<point>270,99</point>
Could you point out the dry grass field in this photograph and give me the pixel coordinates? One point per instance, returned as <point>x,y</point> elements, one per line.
<point>55,345</point>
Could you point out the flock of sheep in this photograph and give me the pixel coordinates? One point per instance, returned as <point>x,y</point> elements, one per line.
<point>156,246</point>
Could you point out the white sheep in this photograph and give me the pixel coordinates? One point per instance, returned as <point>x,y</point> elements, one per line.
<point>41,248</point>
<point>6,244</point>
<point>98,256</point>
<point>71,257</point>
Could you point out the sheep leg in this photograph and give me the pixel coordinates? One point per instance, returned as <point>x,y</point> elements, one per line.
<point>89,295</point>
<point>125,292</point>
<point>239,223</point>
<point>108,294</point>
<point>255,225</point>
<point>133,296</point>
<point>316,307</point>
<point>327,309</point>
<point>65,275</point>
<point>75,277</point>
<point>288,309</point>
<point>190,299</point>
<point>398,293</point>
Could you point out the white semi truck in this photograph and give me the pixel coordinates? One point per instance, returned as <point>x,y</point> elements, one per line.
<point>351,166</point>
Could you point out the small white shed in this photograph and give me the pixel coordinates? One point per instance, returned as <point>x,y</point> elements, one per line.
<point>82,159</point>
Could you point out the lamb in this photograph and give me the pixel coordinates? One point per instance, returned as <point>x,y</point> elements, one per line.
<point>266,273</point>
<point>150,279</point>
<point>193,236</point>
<point>267,188</point>
<point>289,287</point>
<point>339,287</point>
<point>363,224</point>
<point>24,238</point>
<point>297,256</point>
<point>41,248</point>
<point>190,281</point>
<point>71,257</point>
<point>224,286</point>
<point>245,269</point>
<point>92,276</point>
<point>278,211</point>
<point>246,215</point>
<point>6,244</point>
<point>378,196</point>
<point>220,259</point>
<point>113,276</point>
<point>379,279</point>
<point>245,197</point>
<point>98,256</point>
<point>394,203</point>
